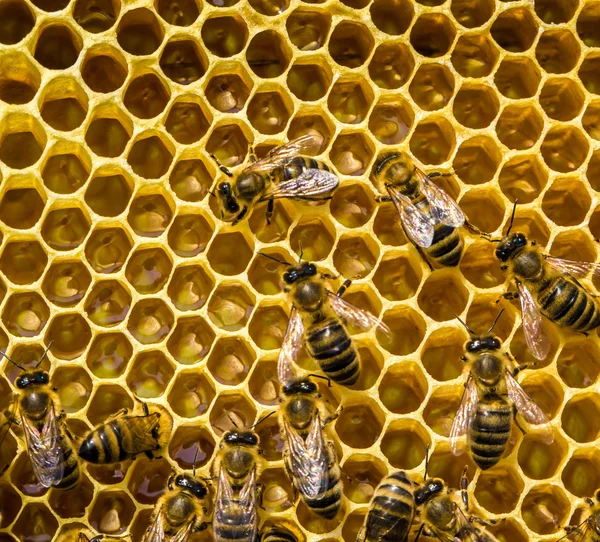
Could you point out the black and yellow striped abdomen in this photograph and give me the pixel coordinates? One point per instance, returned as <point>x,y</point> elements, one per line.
<point>70,465</point>
<point>298,165</point>
<point>490,430</point>
<point>392,510</point>
<point>278,534</point>
<point>229,523</point>
<point>330,345</point>
<point>328,504</point>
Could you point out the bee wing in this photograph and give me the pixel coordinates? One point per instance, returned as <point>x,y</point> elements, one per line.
<point>533,325</point>
<point>281,155</point>
<point>309,460</point>
<point>528,408</point>
<point>184,533</point>
<point>468,532</point>
<point>418,227</point>
<point>45,449</point>
<point>573,267</point>
<point>155,532</point>
<point>248,507</point>
<point>143,436</point>
<point>360,318</point>
<point>244,507</point>
<point>464,415</point>
<point>443,208</point>
<point>310,184</point>
<point>292,343</point>
<point>579,534</point>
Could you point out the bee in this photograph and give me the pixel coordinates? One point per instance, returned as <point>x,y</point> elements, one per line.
<point>283,173</point>
<point>84,538</point>
<point>318,319</point>
<point>237,467</point>
<point>429,216</point>
<point>589,529</point>
<point>122,437</point>
<point>277,533</point>
<point>48,439</point>
<point>490,401</point>
<point>546,286</point>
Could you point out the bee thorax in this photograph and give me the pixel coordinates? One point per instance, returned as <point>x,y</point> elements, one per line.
<point>179,509</point>
<point>36,404</point>
<point>440,512</point>
<point>488,368</point>
<point>528,264</point>
<point>238,462</point>
<point>309,296</point>
<point>249,186</point>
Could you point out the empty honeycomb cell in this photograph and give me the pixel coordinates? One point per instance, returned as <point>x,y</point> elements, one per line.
<point>578,364</point>
<point>267,327</point>
<point>441,408</point>
<point>593,171</point>
<point>391,66</point>
<point>350,44</point>
<point>475,106</point>
<point>477,160</point>
<point>232,406</point>
<point>229,144</point>
<point>139,33</point>
<point>474,55</point>
<point>107,249</point>
<point>19,79</point>
<point>309,82</point>
<point>187,123</point>
<point>472,13</point>
<point>265,274</point>
<point>109,474</point>
<point>355,257</point>
<point>580,475</point>
<point>108,303</point>
<point>574,244</point>
<point>351,153</point>
<point>35,522</point>
<point>404,443</point>
<point>517,78</point>
<point>190,287</point>
<point>268,54</point>
<point>480,266</point>
<point>22,141</point>
<point>350,101</point>
<point>107,136</point>
<point>580,417</point>
<point>587,24</point>
<point>225,36</point>
<point>432,87</point>
<point>433,140</point>
<point>178,12</point>
<point>74,387</point>
<point>498,489</point>
<point>442,352</point>
<point>190,180</point>
<point>17,21</point>
<point>539,460</point>
<point>220,253</point>
<point>442,296</point>
<point>148,270</point>
<point>191,445</point>
<point>515,30</point>
<point>229,92</point>
<point>191,340</point>
<point>182,61</point>
<point>270,112</point>
<point>472,201</point>
<point>24,479</point>
<point>57,47</point>
<point>230,306</point>
<point>21,208</point>
<point>150,215</point>
<point>391,121</point>
<point>432,35</point>
<point>189,235</point>
<point>403,388</point>
<point>108,195</point>
<point>279,493</point>
<point>555,13</point>
<point>96,16</point>
<point>313,236</point>
<point>66,173</point>
<point>150,157</point>
<point>566,202</point>
<point>23,262</point>
<point>561,99</point>
<point>69,334</point>
<point>360,425</point>
<point>25,314</point>
<point>483,312</point>
<point>111,512</point>
<point>148,479</point>
<point>10,504</point>
<point>150,374</point>
<point>104,70</point>
<point>545,508</point>
<point>519,126</point>
<point>63,104</point>
<point>263,384</point>
<point>65,229</point>
<point>308,28</point>
<point>353,525</point>
<point>591,119</point>
<point>364,474</point>
<point>150,321</point>
<point>523,177</point>
<point>352,205</point>
<point>564,149</point>
<point>107,400</point>
<point>146,96</point>
<point>191,395</point>
<point>557,51</point>
<point>588,73</point>
<point>407,331</point>
<point>392,16</point>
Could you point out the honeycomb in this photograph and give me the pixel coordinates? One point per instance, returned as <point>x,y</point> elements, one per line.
<point>113,249</point>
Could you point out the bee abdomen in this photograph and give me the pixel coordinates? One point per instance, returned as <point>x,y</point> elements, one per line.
<point>329,503</point>
<point>103,445</point>
<point>71,466</point>
<point>299,164</point>
<point>489,432</point>
<point>232,529</point>
<point>279,534</point>
<point>569,305</point>
<point>447,246</point>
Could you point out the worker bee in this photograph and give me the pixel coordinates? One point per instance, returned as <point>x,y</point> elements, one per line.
<point>318,319</point>
<point>48,439</point>
<point>429,216</point>
<point>283,173</point>
<point>237,467</point>
<point>277,533</point>
<point>491,397</point>
<point>589,529</point>
<point>547,286</point>
<point>122,437</point>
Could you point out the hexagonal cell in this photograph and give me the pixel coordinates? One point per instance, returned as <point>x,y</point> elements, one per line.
<point>108,195</point>
<point>391,122</point>
<point>498,489</point>
<point>19,79</point>
<point>441,408</point>
<point>472,14</point>
<point>269,112</point>
<point>228,92</point>
<point>149,157</point>
<point>139,32</point>
<point>74,387</point>
<point>238,406</point>
<point>21,208</point>
<point>65,283</point>
<point>229,144</point>
<point>433,140</point>
<point>230,306</point>
<point>109,355</point>
<point>578,364</point>
<point>17,21</point>
<point>225,36</point>
<point>23,478</point>
<point>65,229</point>
<point>191,394</point>
<point>107,399</point>
<point>57,47</point>
<point>480,266</point>
<point>539,460</point>
<point>403,388</point>
<point>23,262</point>
<point>150,374</point>
<point>149,479</point>
<point>553,13</point>
<point>392,16</point>
<point>519,126</point>
<point>355,257</point>
<point>432,35</point>
<point>407,331</point>
<point>148,270</point>
<point>189,235</point>
<point>107,136</point>
<point>190,287</point>
<point>561,99</point>
<point>191,340</point>
<point>432,87</point>
<point>22,141</point>
<point>586,25</point>
<point>591,120</point>
<point>178,12</point>
<point>580,417</point>
<point>580,475</point>
<point>391,66</point>
<point>267,327</point>
<point>309,82</point>
<point>566,202</point>
<point>265,274</point>
<point>557,51</point>
<point>35,518</point>
<point>220,251</point>
<point>350,44</point>
<point>545,508</point>
<point>564,149</point>
<point>365,473</point>
<point>268,54</point>
<point>349,101</point>
<point>477,160</point>
<point>404,443</point>
<point>190,180</point>
<point>483,312</point>
<point>108,303</point>
<point>351,153</point>
<point>231,360</point>
<point>442,352</point>
<point>146,96</point>
<point>65,104</point>
<point>25,314</point>
<point>65,173</point>
<point>107,249</point>
<point>191,445</point>
<point>523,178</point>
<point>308,29</point>
<point>475,106</point>
<point>263,384</point>
<point>577,244</point>
<point>96,16</point>
<point>69,334</point>
<point>150,321</point>
<point>111,512</point>
<point>359,425</point>
<point>182,61</point>
<point>279,493</point>
<point>104,70</point>
<point>352,205</point>
<point>187,123</point>
<point>593,171</point>
<point>473,200</point>
<point>517,78</point>
<point>150,215</point>
<point>10,504</point>
<point>109,474</point>
<point>515,30</point>
<point>474,55</point>
<point>442,296</point>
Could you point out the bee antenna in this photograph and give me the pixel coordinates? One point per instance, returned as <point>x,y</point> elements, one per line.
<point>427,448</point>
<point>221,166</point>
<point>263,419</point>
<point>44,354</point>
<point>465,324</point>
<point>322,378</point>
<point>301,251</point>
<point>212,194</point>
<point>232,420</point>
<point>194,464</point>
<point>495,321</point>
<point>12,361</point>
<point>512,217</point>
<point>282,262</point>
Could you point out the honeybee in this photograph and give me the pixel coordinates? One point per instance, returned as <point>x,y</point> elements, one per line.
<point>429,216</point>
<point>277,533</point>
<point>122,437</point>
<point>48,439</point>
<point>547,286</point>
<point>491,397</point>
<point>283,173</point>
<point>319,319</point>
<point>237,467</point>
<point>589,529</point>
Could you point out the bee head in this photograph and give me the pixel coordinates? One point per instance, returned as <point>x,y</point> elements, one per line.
<point>229,205</point>
<point>35,378</point>
<point>241,438</point>
<point>303,387</point>
<point>479,344</point>
<point>509,245</point>
<point>304,270</point>
<point>430,488</point>
<point>195,487</point>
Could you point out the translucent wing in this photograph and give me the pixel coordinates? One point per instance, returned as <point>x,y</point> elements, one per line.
<point>143,438</point>
<point>464,415</point>
<point>362,319</point>
<point>533,325</point>
<point>443,208</point>
<point>241,509</point>
<point>292,343</point>
<point>45,449</point>
<point>248,507</point>
<point>528,408</point>
<point>418,227</point>
<point>580,534</point>
<point>309,460</point>
<point>468,532</point>
<point>184,533</point>
<point>310,184</point>
<point>155,532</point>
<point>573,267</point>
<point>280,156</point>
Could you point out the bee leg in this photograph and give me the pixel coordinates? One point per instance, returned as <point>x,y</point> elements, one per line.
<point>342,289</point>
<point>117,414</point>
<point>520,368</point>
<point>517,421</point>
<point>420,531</point>
<point>329,276</point>
<point>201,527</point>
<point>252,154</point>
<point>383,199</point>
<point>482,522</point>
<point>438,174</point>
<point>508,295</point>
<point>270,209</point>
<point>464,484</point>
<point>475,230</point>
<point>260,489</point>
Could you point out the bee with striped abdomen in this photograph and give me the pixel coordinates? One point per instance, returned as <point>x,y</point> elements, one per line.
<point>277,533</point>
<point>589,529</point>
<point>547,286</point>
<point>123,436</point>
<point>48,439</point>
<point>491,397</point>
<point>283,173</point>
